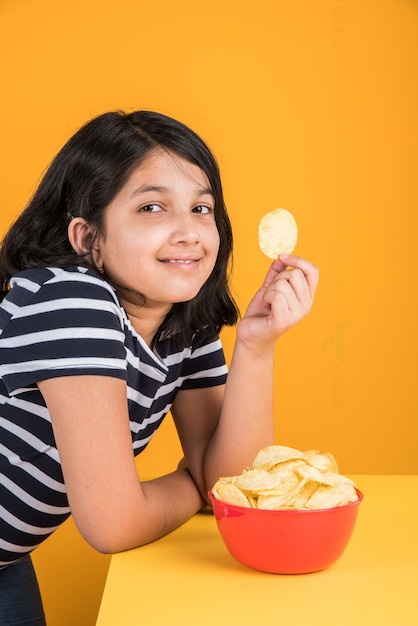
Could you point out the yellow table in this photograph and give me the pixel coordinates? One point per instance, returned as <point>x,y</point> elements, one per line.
<point>189,579</point>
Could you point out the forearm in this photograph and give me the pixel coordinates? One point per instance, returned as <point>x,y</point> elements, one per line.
<point>246,423</point>
<point>173,499</point>
<point>158,507</point>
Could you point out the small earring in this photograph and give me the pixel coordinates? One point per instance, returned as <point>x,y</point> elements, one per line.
<point>100,269</point>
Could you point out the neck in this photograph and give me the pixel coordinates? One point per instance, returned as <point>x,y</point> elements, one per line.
<point>145,319</point>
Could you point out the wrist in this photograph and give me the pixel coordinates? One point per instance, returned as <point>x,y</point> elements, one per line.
<point>254,348</point>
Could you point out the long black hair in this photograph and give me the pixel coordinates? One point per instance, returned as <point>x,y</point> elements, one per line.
<point>83,179</point>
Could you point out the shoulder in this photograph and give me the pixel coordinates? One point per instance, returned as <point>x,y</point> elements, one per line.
<point>44,285</point>
<point>60,322</point>
<point>61,281</point>
<point>63,294</point>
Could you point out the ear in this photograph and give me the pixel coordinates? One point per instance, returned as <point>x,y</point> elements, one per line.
<point>80,235</point>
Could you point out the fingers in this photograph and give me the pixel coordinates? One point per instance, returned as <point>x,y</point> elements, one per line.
<point>309,271</point>
<point>284,299</point>
<point>275,268</point>
<point>281,293</point>
<point>297,283</point>
<point>294,281</point>
<point>289,262</point>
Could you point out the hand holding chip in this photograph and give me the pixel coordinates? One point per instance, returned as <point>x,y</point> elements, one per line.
<point>284,299</point>
<point>289,287</point>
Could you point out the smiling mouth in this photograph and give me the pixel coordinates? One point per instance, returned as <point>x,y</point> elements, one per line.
<point>181,261</point>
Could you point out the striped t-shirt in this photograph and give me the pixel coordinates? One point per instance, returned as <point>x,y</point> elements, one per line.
<point>63,322</point>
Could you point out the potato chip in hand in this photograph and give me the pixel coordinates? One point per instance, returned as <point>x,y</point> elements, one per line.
<point>277,233</point>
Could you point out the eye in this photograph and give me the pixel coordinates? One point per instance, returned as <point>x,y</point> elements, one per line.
<point>203,209</point>
<point>150,208</point>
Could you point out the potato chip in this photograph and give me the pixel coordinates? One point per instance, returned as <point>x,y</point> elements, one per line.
<point>320,461</point>
<point>275,502</point>
<point>301,497</point>
<point>253,502</point>
<point>333,467</point>
<point>284,484</point>
<point>287,466</point>
<point>332,478</point>
<point>252,480</point>
<point>272,455</point>
<point>285,478</point>
<point>325,497</point>
<point>277,233</point>
<point>227,492</point>
<point>309,472</point>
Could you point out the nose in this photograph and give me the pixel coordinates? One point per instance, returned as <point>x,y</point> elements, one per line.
<point>184,230</point>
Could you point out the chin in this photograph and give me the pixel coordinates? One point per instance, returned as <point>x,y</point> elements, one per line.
<point>179,299</point>
<point>185,296</point>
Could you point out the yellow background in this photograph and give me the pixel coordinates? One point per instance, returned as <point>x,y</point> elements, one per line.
<point>310,106</point>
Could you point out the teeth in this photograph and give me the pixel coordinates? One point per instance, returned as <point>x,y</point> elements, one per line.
<point>181,261</point>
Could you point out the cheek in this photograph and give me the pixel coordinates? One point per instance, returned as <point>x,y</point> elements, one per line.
<point>128,241</point>
<point>216,241</point>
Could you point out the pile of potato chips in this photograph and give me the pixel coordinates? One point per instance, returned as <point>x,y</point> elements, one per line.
<point>285,478</point>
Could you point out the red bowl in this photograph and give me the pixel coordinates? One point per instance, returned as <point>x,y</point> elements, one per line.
<point>286,541</point>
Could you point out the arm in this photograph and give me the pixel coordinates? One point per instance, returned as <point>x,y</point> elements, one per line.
<point>111,508</point>
<point>230,427</point>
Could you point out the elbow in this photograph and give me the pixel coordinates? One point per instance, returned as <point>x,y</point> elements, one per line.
<point>113,536</point>
<point>105,545</point>
<point>112,543</point>
<point>106,542</point>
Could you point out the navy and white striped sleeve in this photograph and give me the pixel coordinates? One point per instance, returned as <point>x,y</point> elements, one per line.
<point>68,325</point>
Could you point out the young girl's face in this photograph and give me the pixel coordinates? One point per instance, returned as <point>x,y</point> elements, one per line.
<point>160,238</point>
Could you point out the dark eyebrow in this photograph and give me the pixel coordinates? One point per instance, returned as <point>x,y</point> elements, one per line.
<point>203,191</point>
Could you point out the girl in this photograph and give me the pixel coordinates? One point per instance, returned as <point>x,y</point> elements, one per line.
<point>114,292</point>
